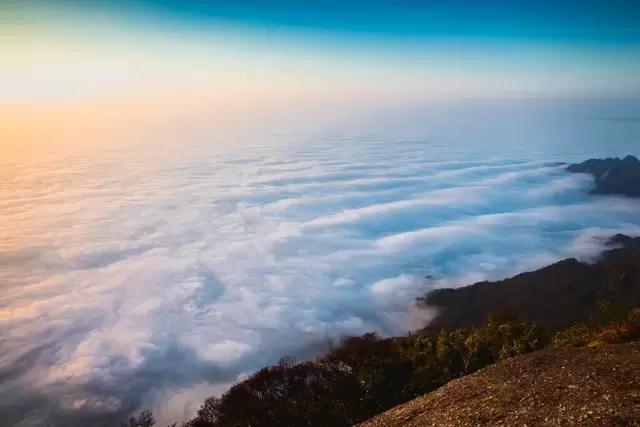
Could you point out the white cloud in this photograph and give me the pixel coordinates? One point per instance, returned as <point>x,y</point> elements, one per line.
<point>401,285</point>
<point>135,278</point>
<point>225,353</point>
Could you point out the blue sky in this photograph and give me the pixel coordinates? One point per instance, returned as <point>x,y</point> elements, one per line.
<point>453,48</point>
<point>587,21</point>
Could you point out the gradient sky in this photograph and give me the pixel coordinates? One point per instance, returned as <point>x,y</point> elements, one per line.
<point>96,61</point>
<point>539,47</point>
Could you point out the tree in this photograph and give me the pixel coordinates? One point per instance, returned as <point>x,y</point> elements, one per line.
<point>143,419</point>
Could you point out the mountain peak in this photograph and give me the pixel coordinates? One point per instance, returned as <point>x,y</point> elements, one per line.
<point>612,175</point>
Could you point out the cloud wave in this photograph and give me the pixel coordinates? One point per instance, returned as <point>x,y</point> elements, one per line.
<point>129,280</point>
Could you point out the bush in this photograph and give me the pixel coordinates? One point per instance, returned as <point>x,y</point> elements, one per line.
<point>143,419</point>
<point>365,375</point>
<point>621,329</point>
<point>287,394</point>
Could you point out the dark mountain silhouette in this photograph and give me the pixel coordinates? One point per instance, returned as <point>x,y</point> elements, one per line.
<point>556,295</point>
<point>612,175</point>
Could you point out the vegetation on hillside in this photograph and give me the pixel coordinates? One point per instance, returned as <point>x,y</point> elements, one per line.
<point>608,326</point>
<point>365,375</point>
<point>556,295</point>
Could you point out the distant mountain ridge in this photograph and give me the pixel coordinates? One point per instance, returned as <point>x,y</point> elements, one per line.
<point>556,295</point>
<point>612,175</point>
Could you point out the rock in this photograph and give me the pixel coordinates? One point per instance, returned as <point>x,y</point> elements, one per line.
<point>529,390</point>
<point>612,175</point>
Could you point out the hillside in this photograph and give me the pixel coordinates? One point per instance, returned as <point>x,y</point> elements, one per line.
<point>559,386</point>
<point>612,175</point>
<point>556,295</point>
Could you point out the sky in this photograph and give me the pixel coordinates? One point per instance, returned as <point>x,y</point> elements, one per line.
<point>166,67</point>
<point>190,190</point>
<point>346,35</point>
<point>68,49</point>
<point>71,65</point>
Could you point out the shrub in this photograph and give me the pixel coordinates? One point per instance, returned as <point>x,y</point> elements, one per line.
<point>365,375</point>
<point>143,419</point>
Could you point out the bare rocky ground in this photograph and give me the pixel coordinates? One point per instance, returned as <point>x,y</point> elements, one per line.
<point>593,386</point>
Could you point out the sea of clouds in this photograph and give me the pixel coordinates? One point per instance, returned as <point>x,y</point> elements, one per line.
<point>143,279</point>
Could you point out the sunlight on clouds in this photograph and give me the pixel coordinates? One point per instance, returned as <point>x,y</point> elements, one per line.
<point>120,264</point>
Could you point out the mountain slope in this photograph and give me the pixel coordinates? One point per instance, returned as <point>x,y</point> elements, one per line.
<point>612,175</point>
<point>560,386</point>
<point>556,295</point>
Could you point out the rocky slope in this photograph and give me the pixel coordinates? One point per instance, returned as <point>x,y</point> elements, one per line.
<point>598,386</point>
<point>612,175</point>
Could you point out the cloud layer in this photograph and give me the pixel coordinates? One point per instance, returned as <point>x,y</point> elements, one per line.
<point>131,279</point>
